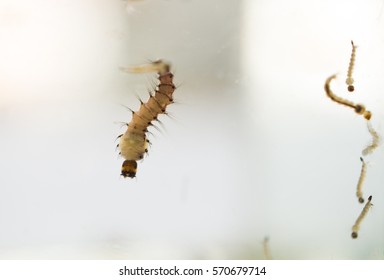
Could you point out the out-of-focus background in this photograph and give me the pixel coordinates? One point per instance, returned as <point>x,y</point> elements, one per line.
<point>253,147</point>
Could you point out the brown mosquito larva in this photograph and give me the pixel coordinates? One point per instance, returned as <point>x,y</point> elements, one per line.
<point>349,81</point>
<point>356,226</point>
<point>375,140</point>
<point>363,172</point>
<point>358,108</point>
<point>134,143</point>
<point>266,251</point>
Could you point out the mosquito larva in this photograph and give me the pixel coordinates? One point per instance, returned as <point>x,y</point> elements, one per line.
<point>375,140</point>
<point>349,81</point>
<point>266,251</point>
<point>358,108</point>
<point>363,213</point>
<point>134,143</point>
<point>359,191</point>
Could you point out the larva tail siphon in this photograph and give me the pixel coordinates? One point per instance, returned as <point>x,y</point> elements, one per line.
<point>349,81</point>
<point>134,143</point>
<point>363,172</point>
<point>356,226</point>
<point>358,108</point>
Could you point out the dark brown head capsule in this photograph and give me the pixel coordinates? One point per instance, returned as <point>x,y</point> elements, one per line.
<point>129,168</point>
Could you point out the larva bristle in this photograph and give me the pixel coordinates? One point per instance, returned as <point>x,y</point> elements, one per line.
<point>133,143</point>
<point>129,168</point>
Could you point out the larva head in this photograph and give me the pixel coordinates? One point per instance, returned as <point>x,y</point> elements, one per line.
<point>129,168</point>
<point>367,115</point>
<point>351,88</point>
<point>361,200</point>
<point>354,235</point>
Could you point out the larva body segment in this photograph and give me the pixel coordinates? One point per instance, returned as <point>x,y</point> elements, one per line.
<point>134,143</point>
<point>349,81</point>
<point>356,226</point>
<point>375,140</point>
<point>363,172</point>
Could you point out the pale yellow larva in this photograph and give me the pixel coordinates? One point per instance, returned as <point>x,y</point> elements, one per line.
<point>134,143</point>
<point>356,226</point>
<point>375,140</point>
<point>363,172</point>
<point>349,81</point>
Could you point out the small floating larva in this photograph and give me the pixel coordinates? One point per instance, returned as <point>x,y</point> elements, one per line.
<point>363,213</point>
<point>358,108</point>
<point>363,172</point>
<point>349,81</point>
<point>134,143</point>
<point>375,140</point>
<point>266,251</point>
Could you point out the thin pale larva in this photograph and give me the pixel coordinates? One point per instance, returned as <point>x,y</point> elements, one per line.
<point>363,172</point>
<point>356,226</point>
<point>134,143</point>
<point>349,81</point>
<point>266,251</point>
<point>375,140</point>
<point>358,108</point>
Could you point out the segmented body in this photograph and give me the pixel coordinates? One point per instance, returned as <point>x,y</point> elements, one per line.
<point>375,140</point>
<point>358,108</point>
<point>363,213</point>
<point>133,143</point>
<point>363,172</point>
<point>349,81</point>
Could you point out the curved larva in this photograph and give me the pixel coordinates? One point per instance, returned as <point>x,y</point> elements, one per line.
<point>375,140</point>
<point>363,172</point>
<point>133,143</point>
<point>358,108</point>
<point>363,213</point>
<point>349,81</point>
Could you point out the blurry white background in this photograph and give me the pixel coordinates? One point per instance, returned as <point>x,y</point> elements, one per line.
<point>254,147</point>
